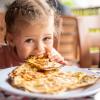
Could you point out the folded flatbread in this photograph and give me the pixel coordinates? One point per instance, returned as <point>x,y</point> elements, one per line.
<point>42,63</point>
<point>31,79</point>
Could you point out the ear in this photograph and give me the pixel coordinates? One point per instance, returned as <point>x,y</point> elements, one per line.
<point>10,39</point>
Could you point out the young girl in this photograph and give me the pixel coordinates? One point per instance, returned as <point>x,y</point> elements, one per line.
<point>30,30</point>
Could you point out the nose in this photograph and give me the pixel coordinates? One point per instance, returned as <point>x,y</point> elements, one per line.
<point>39,49</point>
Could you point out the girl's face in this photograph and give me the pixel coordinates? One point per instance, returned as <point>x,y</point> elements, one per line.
<point>32,38</point>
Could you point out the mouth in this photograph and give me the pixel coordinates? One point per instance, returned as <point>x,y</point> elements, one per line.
<point>43,54</point>
<point>39,55</point>
<point>42,63</point>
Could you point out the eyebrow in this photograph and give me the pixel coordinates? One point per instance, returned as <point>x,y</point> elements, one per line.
<point>48,34</point>
<point>43,35</point>
<point>28,36</point>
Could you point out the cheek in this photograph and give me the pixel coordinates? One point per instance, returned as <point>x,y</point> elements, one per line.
<point>50,43</point>
<point>24,51</point>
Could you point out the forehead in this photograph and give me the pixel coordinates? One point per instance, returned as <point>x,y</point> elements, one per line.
<point>43,24</point>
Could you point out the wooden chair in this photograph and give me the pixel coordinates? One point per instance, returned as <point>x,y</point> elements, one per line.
<point>89,39</point>
<point>89,58</point>
<point>75,42</point>
<point>69,45</point>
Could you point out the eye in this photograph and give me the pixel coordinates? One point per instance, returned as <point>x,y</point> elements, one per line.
<point>29,40</point>
<point>47,38</point>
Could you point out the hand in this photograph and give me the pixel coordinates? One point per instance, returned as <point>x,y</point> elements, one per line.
<point>56,56</point>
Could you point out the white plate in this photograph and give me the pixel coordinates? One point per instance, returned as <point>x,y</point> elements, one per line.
<point>69,94</point>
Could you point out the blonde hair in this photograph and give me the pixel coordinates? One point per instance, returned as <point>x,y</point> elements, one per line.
<point>30,10</point>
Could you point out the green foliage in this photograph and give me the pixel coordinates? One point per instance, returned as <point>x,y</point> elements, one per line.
<point>69,3</point>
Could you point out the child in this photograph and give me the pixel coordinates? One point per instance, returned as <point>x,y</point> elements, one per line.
<point>30,30</point>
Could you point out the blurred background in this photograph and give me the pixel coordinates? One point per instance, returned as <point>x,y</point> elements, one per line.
<point>80,38</point>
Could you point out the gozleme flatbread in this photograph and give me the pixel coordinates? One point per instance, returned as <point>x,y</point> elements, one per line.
<point>31,79</point>
<point>42,63</point>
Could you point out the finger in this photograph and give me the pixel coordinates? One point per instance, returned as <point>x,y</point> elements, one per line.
<point>68,63</point>
<point>64,62</point>
<point>57,59</point>
<point>60,58</point>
